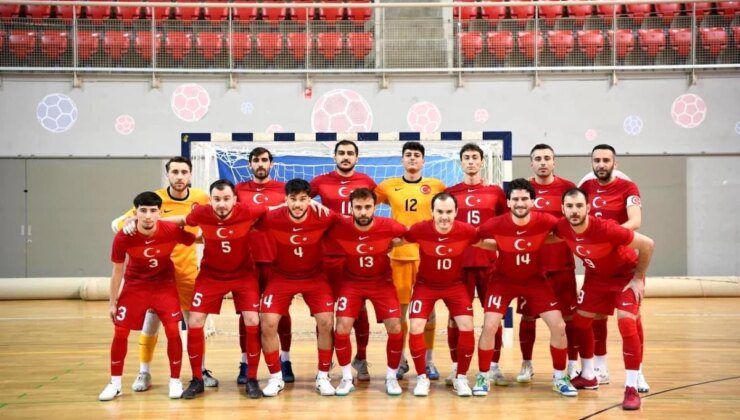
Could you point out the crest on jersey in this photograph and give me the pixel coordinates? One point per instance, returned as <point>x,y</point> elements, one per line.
<point>426,189</point>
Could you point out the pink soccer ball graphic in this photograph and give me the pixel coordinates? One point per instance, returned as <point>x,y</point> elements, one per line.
<point>424,117</point>
<point>274,128</point>
<point>480,115</point>
<point>125,124</point>
<point>590,134</point>
<point>341,111</point>
<point>190,102</point>
<point>688,111</point>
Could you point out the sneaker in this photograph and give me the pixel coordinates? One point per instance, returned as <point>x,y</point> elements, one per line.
<point>324,387</point>
<point>209,380</point>
<point>346,385</point>
<point>195,387</point>
<point>462,387</point>
<point>642,385</point>
<point>287,370</point>
<point>631,399</point>
<point>432,372</point>
<point>175,389</point>
<point>241,379</point>
<point>563,387</point>
<point>579,382</point>
<point>142,382</point>
<point>361,367</point>
<point>449,381</point>
<point>422,386</point>
<point>109,392</point>
<point>525,375</point>
<point>602,375</point>
<point>274,386</point>
<point>480,389</point>
<point>392,387</point>
<point>497,377</point>
<point>253,389</point>
<point>403,367</point>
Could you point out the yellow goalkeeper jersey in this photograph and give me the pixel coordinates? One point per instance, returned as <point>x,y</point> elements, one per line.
<point>410,202</point>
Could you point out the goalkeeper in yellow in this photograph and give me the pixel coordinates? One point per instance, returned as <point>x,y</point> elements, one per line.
<point>177,200</point>
<point>410,198</point>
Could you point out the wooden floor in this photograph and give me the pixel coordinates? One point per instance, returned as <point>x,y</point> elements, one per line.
<point>54,362</point>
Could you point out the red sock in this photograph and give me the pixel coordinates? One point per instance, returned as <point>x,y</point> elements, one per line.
<point>484,359</point>
<point>254,348</point>
<point>393,349</point>
<point>174,348</point>
<point>118,350</point>
<point>559,357</point>
<point>285,331</point>
<point>570,334</point>
<point>362,334</point>
<point>466,345</point>
<point>272,360</point>
<point>418,350</point>
<point>242,334</point>
<point>196,344</point>
<point>325,359</point>
<point>641,334</point>
<point>527,336</point>
<point>630,343</point>
<point>584,333</point>
<point>343,348</point>
<point>452,336</point>
<point>497,343</point>
<point>600,333</point>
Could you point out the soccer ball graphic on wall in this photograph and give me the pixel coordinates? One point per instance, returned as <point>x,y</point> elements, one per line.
<point>688,111</point>
<point>632,125</point>
<point>424,117</point>
<point>57,112</point>
<point>190,102</point>
<point>125,124</point>
<point>341,111</point>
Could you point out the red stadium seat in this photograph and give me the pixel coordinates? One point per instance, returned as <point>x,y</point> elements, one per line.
<point>116,44</point>
<point>127,12</point>
<point>625,42</point>
<point>728,8</point>
<point>143,44</point>
<point>580,13</point>
<point>465,11</point>
<point>178,44</point>
<point>551,13</point>
<point>2,39</point>
<point>680,41</point>
<point>187,12</point>
<point>359,15</point>
<point>273,14</point>
<point>526,41</point>
<point>241,45</point>
<point>54,43</point>
<point>37,12</point>
<point>97,12</point>
<point>638,12</point>
<point>736,34</point>
<point>216,13</point>
<point>494,13</point>
<point>297,45</point>
<point>560,43</point>
<point>713,40</point>
<point>522,12</point>
<point>360,44</point>
<point>606,11</point>
<point>500,44</point>
<point>160,13</point>
<point>244,14</point>
<point>668,11</point>
<point>471,45</point>
<point>652,41</point>
<point>65,12</point>
<point>332,14</point>
<point>591,42</point>
<point>269,44</point>
<point>702,9</point>
<point>22,43</point>
<point>9,10</point>
<point>88,43</point>
<point>329,44</point>
<point>209,44</point>
<point>302,13</point>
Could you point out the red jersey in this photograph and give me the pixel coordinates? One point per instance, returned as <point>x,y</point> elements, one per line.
<point>519,246</point>
<point>367,251</point>
<point>475,205</point>
<point>226,255</point>
<point>549,199</point>
<point>149,256</point>
<point>610,201</point>
<point>271,193</point>
<point>299,245</point>
<point>441,255</point>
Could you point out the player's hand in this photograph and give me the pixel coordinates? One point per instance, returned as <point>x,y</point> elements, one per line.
<point>637,285</point>
<point>319,208</point>
<point>129,226</point>
<point>113,310</point>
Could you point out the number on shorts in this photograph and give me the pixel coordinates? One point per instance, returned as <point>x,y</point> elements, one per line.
<point>589,262</point>
<point>581,295</point>
<point>225,247</point>
<point>342,303</point>
<point>153,263</point>
<point>367,261</point>
<point>494,301</point>
<point>444,264</point>
<point>298,251</point>
<point>522,302</point>
<point>121,313</point>
<point>522,259</point>
<point>474,217</point>
<point>197,299</point>
<point>267,301</point>
<point>416,307</point>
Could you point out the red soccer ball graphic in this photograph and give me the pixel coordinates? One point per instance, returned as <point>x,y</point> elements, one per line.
<point>341,111</point>
<point>688,111</point>
<point>424,117</point>
<point>590,134</point>
<point>190,102</point>
<point>125,124</point>
<point>274,128</point>
<point>480,115</point>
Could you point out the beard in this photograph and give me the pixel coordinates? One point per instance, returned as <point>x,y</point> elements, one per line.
<point>607,174</point>
<point>579,222</point>
<point>260,174</point>
<point>345,170</point>
<point>363,221</point>
<point>526,213</point>
<point>297,216</point>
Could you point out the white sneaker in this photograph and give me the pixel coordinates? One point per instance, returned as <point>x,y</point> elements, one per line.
<point>273,387</point>
<point>110,392</point>
<point>525,375</point>
<point>422,386</point>
<point>449,381</point>
<point>481,385</point>
<point>142,382</point>
<point>602,375</point>
<point>324,387</point>
<point>462,387</point>
<point>642,385</point>
<point>497,377</point>
<point>346,386</point>
<point>175,389</point>
<point>392,387</point>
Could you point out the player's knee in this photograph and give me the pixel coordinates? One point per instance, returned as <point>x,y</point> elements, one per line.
<point>251,318</point>
<point>196,320</point>
<point>344,325</point>
<point>269,325</point>
<point>324,323</point>
<point>432,317</point>
<point>393,325</point>
<point>466,324</point>
<point>416,326</point>
<point>624,314</point>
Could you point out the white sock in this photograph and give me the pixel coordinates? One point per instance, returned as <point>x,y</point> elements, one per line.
<point>244,357</point>
<point>462,376</point>
<point>284,356</point>
<point>600,362</point>
<point>203,365</point>
<point>587,368</point>
<point>277,375</point>
<point>640,367</point>
<point>143,367</point>
<point>572,363</point>
<point>494,365</point>
<point>347,372</point>
<point>422,376</point>
<point>631,378</point>
<point>558,374</point>
<point>174,380</point>
<point>322,375</point>
<point>430,354</point>
<point>527,362</point>
<point>454,366</point>
<point>391,373</point>
<point>116,380</point>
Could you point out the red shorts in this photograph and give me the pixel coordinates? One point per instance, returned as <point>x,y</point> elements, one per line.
<point>455,296</point>
<point>476,280</point>
<point>137,298</point>
<point>333,267</point>
<point>382,293</point>
<point>563,285</point>
<point>209,294</point>
<point>280,292</point>
<point>602,297</point>
<point>536,292</point>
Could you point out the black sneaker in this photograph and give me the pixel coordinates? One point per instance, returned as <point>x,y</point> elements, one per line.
<point>208,379</point>
<point>194,388</point>
<point>253,389</point>
<point>287,369</point>
<point>242,378</point>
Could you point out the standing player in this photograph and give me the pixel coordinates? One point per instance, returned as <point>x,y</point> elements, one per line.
<point>615,277</point>
<point>616,199</point>
<point>410,198</point>
<point>177,200</point>
<point>334,188</point>
<point>519,238</point>
<point>149,285</point>
<point>367,276</point>
<point>477,204</point>
<point>557,262</point>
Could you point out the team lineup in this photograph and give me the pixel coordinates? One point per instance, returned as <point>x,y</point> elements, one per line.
<point>265,241</point>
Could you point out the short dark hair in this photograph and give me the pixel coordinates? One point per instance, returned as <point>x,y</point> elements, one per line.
<point>520,184</point>
<point>178,159</point>
<point>297,186</point>
<point>259,151</point>
<point>147,198</point>
<point>362,194</point>
<point>221,185</point>
<point>604,147</point>
<point>345,143</point>
<point>471,147</point>
<point>443,196</point>
<point>413,145</point>
<point>572,193</point>
<point>541,146</point>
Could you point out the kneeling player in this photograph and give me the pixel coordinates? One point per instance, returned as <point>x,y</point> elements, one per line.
<point>149,284</point>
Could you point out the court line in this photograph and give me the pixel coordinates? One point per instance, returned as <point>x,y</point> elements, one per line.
<point>47,318</point>
<point>661,392</point>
